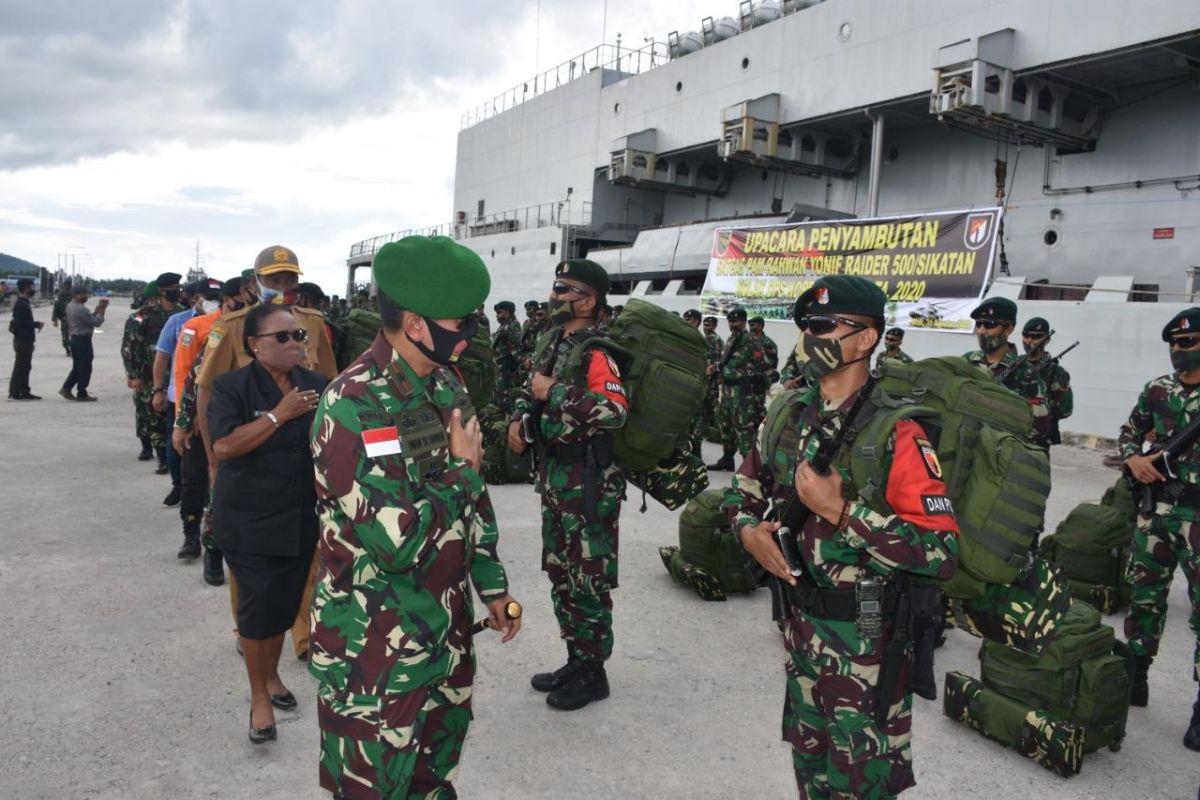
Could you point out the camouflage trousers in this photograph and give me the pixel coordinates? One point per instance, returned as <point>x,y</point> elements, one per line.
<point>150,424</point>
<point>838,750</point>
<point>741,412</point>
<point>581,562</point>
<point>1168,540</point>
<point>507,383</point>
<point>395,746</point>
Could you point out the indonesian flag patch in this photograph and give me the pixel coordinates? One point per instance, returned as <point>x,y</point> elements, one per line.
<point>381,442</point>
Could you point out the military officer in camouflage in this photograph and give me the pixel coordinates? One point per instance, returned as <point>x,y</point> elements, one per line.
<point>768,369</point>
<point>406,525</point>
<point>148,295</point>
<point>692,317</point>
<point>574,398</point>
<point>792,374</point>
<point>1041,381</point>
<point>1170,535</point>
<point>714,346</point>
<point>506,345</point>
<point>740,373</point>
<point>893,338</point>
<point>995,318</point>
<point>529,334</point>
<point>846,717</point>
<point>138,352</point>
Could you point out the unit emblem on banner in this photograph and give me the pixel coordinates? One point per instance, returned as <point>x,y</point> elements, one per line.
<point>978,230</point>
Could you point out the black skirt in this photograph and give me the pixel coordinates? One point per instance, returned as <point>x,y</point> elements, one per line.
<point>270,589</point>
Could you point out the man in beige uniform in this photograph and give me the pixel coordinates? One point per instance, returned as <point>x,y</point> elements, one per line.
<point>276,276</point>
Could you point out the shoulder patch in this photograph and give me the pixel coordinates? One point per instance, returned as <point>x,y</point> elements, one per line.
<point>214,339</point>
<point>929,458</point>
<point>612,365</point>
<point>186,338</point>
<point>139,317</point>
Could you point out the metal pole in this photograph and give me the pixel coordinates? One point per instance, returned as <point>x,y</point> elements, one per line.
<point>876,162</point>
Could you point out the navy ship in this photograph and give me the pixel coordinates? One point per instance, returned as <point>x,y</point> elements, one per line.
<point>1079,119</point>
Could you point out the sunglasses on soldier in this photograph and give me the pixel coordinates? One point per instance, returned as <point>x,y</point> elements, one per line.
<point>988,323</point>
<point>1185,342</point>
<point>821,324</point>
<point>562,288</point>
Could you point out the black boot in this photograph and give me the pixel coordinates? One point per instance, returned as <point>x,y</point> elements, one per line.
<point>172,498</point>
<point>214,575</point>
<point>146,453</point>
<point>161,469</point>
<point>549,681</point>
<point>191,540</point>
<point>1191,739</point>
<point>590,683</point>
<point>1140,695</point>
<point>725,464</point>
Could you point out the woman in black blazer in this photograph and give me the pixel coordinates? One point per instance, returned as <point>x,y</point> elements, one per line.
<point>264,516</point>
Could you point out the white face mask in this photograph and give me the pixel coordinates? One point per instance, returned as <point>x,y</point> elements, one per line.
<point>209,306</point>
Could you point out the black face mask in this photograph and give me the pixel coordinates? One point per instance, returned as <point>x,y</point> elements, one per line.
<point>171,295</point>
<point>444,341</point>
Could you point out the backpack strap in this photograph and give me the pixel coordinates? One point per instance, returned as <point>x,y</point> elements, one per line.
<point>783,423</point>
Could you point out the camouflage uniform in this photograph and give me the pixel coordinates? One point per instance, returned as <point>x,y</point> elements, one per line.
<point>742,405</point>
<point>979,359</point>
<point>1171,535</point>
<point>838,749</point>
<point>1047,387</point>
<point>137,353</point>
<point>579,528</point>
<point>401,533</point>
<point>893,355</point>
<point>714,346</point>
<point>506,344</point>
<point>531,329</point>
<point>59,315</point>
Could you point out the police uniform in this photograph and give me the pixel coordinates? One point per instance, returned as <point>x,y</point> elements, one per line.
<point>848,727</point>
<point>405,525</point>
<point>1170,535</point>
<point>581,489</point>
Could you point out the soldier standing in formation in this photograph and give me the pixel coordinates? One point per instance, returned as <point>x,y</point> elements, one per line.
<point>529,334</point>
<point>892,339</point>
<point>275,276</point>
<point>506,345</point>
<point>714,346</point>
<point>768,369</point>
<point>575,399</point>
<point>844,744</point>
<point>139,351</point>
<point>1045,384</point>
<point>696,437</point>
<point>406,521</point>
<point>995,319</point>
<point>743,370</point>
<point>1170,535</point>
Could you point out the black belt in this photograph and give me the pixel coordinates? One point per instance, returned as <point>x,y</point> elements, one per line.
<point>570,453</point>
<point>1190,496</point>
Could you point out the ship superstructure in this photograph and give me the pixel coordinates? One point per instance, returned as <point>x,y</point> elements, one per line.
<point>1081,119</point>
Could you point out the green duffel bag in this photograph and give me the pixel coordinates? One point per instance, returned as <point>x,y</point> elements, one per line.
<point>707,543</point>
<point>1105,599</point>
<point>1057,745</point>
<point>1024,614</point>
<point>1084,675</point>
<point>1090,544</point>
<point>1120,497</point>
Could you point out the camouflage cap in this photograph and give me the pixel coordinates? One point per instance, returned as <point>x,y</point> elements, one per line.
<point>589,273</point>
<point>276,258</point>
<point>1001,308</point>
<point>505,305</point>
<point>1036,327</point>
<point>433,276</point>
<point>841,294</point>
<point>1186,321</point>
<point>736,314</point>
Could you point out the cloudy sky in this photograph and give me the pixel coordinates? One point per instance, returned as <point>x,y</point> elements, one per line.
<point>130,129</point>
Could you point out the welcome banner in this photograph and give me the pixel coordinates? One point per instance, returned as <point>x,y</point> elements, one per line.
<point>933,267</point>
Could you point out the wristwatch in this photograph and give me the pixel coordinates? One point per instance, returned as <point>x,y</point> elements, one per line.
<point>274,419</point>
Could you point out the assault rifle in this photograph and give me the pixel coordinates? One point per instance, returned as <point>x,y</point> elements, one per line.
<point>1015,367</point>
<point>531,420</point>
<point>1146,495</point>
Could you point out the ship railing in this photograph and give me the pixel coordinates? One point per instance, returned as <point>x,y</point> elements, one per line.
<point>625,60</point>
<point>541,215</point>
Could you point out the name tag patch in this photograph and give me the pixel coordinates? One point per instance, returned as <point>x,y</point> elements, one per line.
<point>381,442</point>
<point>937,505</point>
<point>615,388</point>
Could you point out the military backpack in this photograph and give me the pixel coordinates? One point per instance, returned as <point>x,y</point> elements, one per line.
<point>996,479</point>
<point>709,546</point>
<point>1091,547</point>
<point>358,331</point>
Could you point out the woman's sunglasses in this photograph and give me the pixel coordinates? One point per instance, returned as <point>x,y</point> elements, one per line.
<point>821,324</point>
<point>298,335</point>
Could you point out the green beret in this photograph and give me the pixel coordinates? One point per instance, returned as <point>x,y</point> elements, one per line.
<point>1036,327</point>
<point>841,294</point>
<point>757,321</point>
<point>736,314</point>
<point>713,320</point>
<point>1186,321</point>
<point>506,305</point>
<point>897,333</point>
<point>691,313</point>
<point>999,307</point>
<point>247,274</point>
<point>150,290</point>
<point>531,304</point>
<point>589,273</point>
<point>433,276</point>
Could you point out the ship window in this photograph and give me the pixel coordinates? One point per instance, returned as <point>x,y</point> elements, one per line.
<point>657,285</point>
<point>760,133</point>
<point>1144,293</point>
<point>1075,107</point>
<point>616,108</point>
<point>1050,237</point>
<point>1045,100</point>
<point>1020,91</point>
<point>512,251</point>
<point>662,165</point>
<point>493,252</point>
<point>679,86</point>
<point>692,285</point>
<point>639,161</point>
<point>837,147</point>
<point>991,84</point>
<point>808,144</point>
<point>745,63</point>
<point>682,170</point>
<point>553,247</point>
<point>708,172</point>
<point>784,138</point>
<point>479,212</point>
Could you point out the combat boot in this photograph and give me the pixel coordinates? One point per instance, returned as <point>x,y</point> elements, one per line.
<point>161,469</point>
<point>214,575</point>
<point>146,453</point>
<point>589,683</point>
<point>1191,739</point>
<point>1140,694</point>
<point>550,681</point>
<point>191,540</point>
<point>725,464</point>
